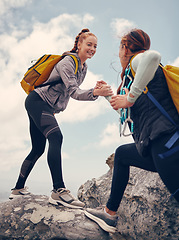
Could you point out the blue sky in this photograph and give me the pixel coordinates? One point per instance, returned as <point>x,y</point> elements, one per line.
<point>30,28</point>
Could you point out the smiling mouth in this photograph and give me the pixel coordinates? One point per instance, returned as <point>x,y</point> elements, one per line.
<point>91,53</point>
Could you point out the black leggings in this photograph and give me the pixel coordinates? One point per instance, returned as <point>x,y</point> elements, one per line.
<point>43,125</point>
<point>127,155</point>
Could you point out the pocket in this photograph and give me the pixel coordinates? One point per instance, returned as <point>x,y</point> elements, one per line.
<point>32,77</point>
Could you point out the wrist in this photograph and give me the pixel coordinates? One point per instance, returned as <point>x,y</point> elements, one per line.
<point>129,102</point>
<point>131,98</point>
<point>95,92</point>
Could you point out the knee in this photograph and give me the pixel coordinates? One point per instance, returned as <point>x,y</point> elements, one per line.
<point>119,155</point>
<point>56,138</point>
<point>39,151</point>
<point>35,153</point>
<point>121,151</point>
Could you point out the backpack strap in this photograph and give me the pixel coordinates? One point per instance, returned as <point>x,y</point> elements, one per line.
<point>175,136</point>
<point>60,80</point>
<point>130,65</point>
<point>76,62</point>
<point>159,106</point>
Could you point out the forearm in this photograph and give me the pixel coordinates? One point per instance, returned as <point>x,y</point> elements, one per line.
<point>145,66</point>
<point>83,95</point>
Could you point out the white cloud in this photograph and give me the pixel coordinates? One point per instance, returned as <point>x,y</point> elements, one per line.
<point>16,55</point>
<point>78,111</point>
<point>176,62</point>
<point>121,26</point>
<point>110,136</point>
<point>5,5</point>
<point>16,51</point>
<point>55,36</point>
<point>87,18</point>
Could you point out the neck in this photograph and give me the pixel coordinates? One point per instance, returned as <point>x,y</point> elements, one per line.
<point>83,60</point>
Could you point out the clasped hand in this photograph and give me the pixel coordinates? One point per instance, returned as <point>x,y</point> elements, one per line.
<point>120,101</point>
<point>102,89</point>
<point>117,101</point>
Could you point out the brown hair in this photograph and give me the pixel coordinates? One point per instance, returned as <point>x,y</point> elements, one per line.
<point>137,41</point>
<point>80,37</point>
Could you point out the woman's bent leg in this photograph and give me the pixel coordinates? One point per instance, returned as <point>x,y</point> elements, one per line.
<point>125,156</point>
<point>168,167</point>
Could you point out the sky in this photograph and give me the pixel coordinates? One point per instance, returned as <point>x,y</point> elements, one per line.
<point>29,29</point>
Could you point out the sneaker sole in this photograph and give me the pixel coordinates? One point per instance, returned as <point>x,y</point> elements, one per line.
<point>13,196</point>
<point>58,202</point>
<point>101,223</point>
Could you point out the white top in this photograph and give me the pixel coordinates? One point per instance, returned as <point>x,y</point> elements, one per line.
<point>144,65</point>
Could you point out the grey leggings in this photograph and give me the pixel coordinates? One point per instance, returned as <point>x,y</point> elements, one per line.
<point>43,126</point>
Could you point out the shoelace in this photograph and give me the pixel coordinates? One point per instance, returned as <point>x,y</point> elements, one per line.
<point>62,190</point>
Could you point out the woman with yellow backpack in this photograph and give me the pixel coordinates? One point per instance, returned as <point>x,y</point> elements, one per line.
<point>46,100</point>
<point>146,105</point>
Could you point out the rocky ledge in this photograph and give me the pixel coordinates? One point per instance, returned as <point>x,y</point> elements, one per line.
<point>146,213</point>
<point>32,217</point>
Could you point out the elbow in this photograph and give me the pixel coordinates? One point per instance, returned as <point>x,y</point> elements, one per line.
<point>154,57</point>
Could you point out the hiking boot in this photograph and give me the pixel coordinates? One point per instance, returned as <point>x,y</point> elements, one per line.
<point>62,196</point>
<point>105,221</point>
<point>16,193</point>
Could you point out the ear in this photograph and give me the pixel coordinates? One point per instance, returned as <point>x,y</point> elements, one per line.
<point>126,49</point>
<point>79,45</point>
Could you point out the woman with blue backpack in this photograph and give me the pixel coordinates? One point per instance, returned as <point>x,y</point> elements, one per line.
<point>44,102</point>
<point>155,132</point>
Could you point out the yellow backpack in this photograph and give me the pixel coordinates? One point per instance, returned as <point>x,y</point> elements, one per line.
<point>37,74</point>
<point>172,77</point>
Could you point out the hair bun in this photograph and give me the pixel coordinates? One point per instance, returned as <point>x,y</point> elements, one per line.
<point>85,30</point>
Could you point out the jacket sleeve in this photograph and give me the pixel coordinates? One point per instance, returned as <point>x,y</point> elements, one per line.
<point>144,65</point>
<point>72,81</point>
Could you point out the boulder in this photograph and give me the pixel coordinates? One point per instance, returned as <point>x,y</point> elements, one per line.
<point>32,217</point>
<point>146,211</point>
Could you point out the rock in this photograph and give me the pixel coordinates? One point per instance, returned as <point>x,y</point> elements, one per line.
<point>146,211</point>
<point>32,217</point>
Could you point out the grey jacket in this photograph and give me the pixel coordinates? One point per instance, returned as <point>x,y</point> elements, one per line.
<point>57,96</point>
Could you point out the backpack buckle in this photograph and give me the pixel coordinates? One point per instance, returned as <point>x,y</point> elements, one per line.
<point>145,91</point>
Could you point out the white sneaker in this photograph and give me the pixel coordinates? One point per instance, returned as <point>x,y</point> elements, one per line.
<point>62,196</point>
<point>16,193</point>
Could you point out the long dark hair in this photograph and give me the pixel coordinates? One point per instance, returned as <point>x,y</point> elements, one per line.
<point>137,41</point>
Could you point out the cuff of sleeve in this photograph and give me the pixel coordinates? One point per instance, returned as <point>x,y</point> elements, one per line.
<point>135,92</point>
<point>93,97</point>
<point>132,99</point>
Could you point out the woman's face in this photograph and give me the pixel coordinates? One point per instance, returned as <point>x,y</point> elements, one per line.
<point>87,48</point>
<point>122,55</point>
